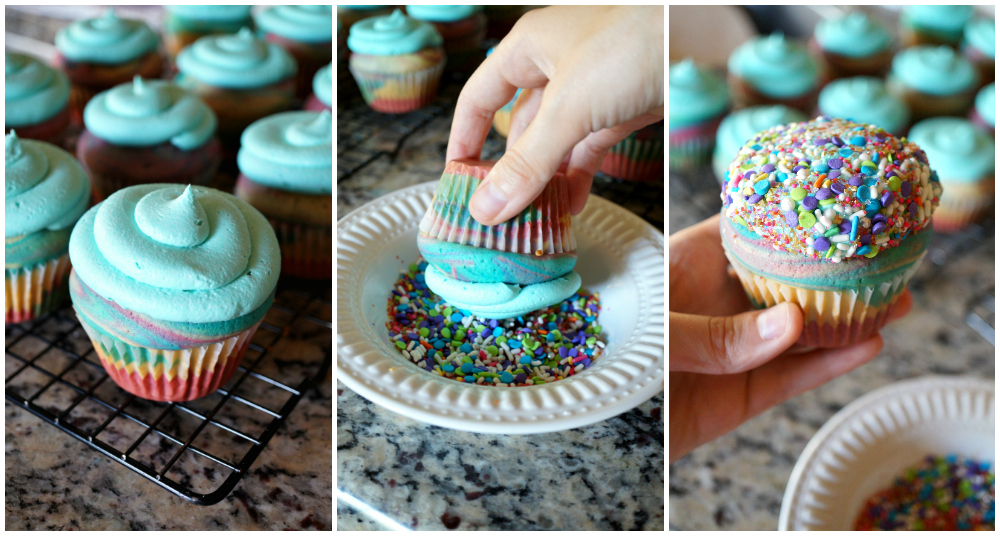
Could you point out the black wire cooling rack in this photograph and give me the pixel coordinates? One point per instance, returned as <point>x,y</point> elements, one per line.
<point>53,372</point>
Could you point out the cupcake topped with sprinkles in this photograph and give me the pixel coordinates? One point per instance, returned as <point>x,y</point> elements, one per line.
<point>830,189</point>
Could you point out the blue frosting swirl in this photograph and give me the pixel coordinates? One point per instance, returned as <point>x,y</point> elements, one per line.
<point>939,18</point>
<point>309,24</point>
<point>223,13</point>
<point>45,188</point>
<point>696,94</point>
<point>776,66</point>
<point>937,70</point>
<point>855,34</point>
<point>955,148</point>
<point>106,40</point>
<point>434,13</point>
<point>981,35</point>
<point>323,85</point>
<point>986,103</point>
<point>290,151</point>
<point>864,99</point>
<point>392,35</point>
<point>33,91</point>
<point>239,61</point>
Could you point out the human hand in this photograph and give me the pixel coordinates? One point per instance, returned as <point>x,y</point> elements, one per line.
<point>601,68</point>
<point>729,362</point>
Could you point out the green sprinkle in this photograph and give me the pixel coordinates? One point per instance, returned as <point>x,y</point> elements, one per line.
<point>798,194</point>
<point>501,339</point>
<point>828,201</point>
<point>597,328</point>
<point>831,231</point>
<point>424,332</point>
<point>806,219</point>
<point>894,184</point>
<point>400,344</point>
<point>413,267</point>
<point>446,333</point>
<point>591,341</point>
<point>492,350</point>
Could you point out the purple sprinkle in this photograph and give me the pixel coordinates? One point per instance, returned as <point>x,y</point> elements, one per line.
<point>767,168</point>
<point>821,244</point>
<point>797,168</point>
<point>837,188</point>
<point>439,319</point>
<point>749,174</point>
<point>837,141</point>
<point>563,351</point>
<point>520,378</point>
<point>729,199</point>
<point>856,180</point>
<point>866,239</point>
<point>913,210</point>
<point>405,321</point>
<point>574,352</point>
<point>878,228</point>
<point>880,218</point>
<point>754,199</point>
<point>539,351</point>
<point>821,141</point>
<point>833,174</point>
<point>400,316</point>
<point>879,136</point>
<point>413,336</point>
<point>824,193</point>
<point>493,323</point>
<point>890,174</point>
<point>906,188</point>
<point>845,226</point>
<point>585,362</point>
<point>835,163</point>
<point>809,203</point>
<point>423,324</point>
<point>887,198</point>
<point>792,218</point>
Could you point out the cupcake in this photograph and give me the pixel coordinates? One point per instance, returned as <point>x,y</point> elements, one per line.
<point>306,32</point>
<point>351,14</point>
<point>853,45</point>
<point>774,70</point>
<point>322,95</point>
<point>183,25</point>
<point>98,54</point>
<point>933,81</point>
<point>699,100</point>
<point>242,78</point>
<point>964,159</point>
<point>980,46</point>
<point>462,28</point>
<point>864,99</point>
<point>45,192</point>
<point>36,99</point>
<point>740,126</point>
<point>639,157</point>
<point>933,25</point>
<point>984,113</point>
<point>286,172</point>
<point>837,225</point>
<point>498,271</point>
<point>397,62</point>
<point>147,131</point>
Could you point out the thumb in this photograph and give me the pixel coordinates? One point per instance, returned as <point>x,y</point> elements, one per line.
<point>731,344</point>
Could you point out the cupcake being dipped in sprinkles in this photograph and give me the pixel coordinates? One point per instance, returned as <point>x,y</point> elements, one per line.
<point>833,216</point>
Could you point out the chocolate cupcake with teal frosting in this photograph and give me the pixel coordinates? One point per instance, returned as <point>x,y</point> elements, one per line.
<point>699,99</point>
<point>933,80</point>
<point>306,32</point>
<point>463,29</point>
<point>148,131</point>
<point>170,282</point>
<point>983,115</point>
<point>933,25</point>
<point>864,99</point>
<point>36,99</point>
<point>980,47</point>
<point>773,69</point>
<point>853,45</point>
<point>45,192</point>
<point>397,62</point>
<point>742,125</point>
<point>183,25</point>
<point>322,95</point>
<point>98,54</point>
<point>286,172</point>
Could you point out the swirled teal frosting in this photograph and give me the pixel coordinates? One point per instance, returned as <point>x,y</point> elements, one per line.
<point>945,18</point>
<point>738,127</point>
<point>238,61</point>
<point>937,70</point>
<point>986,103</point>
<point>290,151</point>
<point>864,99</point>
<point>776,66</point>
<point>177,253</point>
<point>981,34</point>
<point>45,188</point>
<point>309,24</point>
<point>323,85</point>
<point>210,13</point>
<point>106,40</point>
<point>855,35</point>
<point>433,13</point>
<point>150,112</point>
<point>955,148</point>
<point>390,35</point>
<point>696,94</point>
<point>33,91</point>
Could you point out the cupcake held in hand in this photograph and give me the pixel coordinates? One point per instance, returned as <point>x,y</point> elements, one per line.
<point>740,126</point>
<point>832,216</point>
<point>865,100</point>
<point>853,45</point>
<point>699,99</point>
<point>45,192</point>
<point>36,99</point>
<point>306,32</point>
<point>933,80</point>
<point>775,70</point>
<point>170,282</point>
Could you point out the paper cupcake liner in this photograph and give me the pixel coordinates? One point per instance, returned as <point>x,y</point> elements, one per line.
<point>642,159</point>
<point>543,228</point>
<point>316,105</point>
<point>33,291</point>
<point>831,318</point>
<point>170,375</point>
<point>688,154</point>
<point>957,211</point>
<point>398,93</point>
<point>923,105</point>
<point>745,95</point>
<point>52,130</point>
<point>841,66</point>
<point>306,250</point>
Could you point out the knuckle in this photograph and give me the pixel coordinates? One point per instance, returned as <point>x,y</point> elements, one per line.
<point>723,341</point>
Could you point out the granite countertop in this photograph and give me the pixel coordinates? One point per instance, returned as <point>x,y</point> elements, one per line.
<point>397,473</point>
<point>737,481</point>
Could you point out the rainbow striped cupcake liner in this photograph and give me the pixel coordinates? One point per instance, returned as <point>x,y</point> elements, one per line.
<point>33,291</point>
<point>636,160</point>
<point>397,93</point>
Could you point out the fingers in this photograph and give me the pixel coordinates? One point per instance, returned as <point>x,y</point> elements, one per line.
<point>525,109</point>
<point>731,344</point>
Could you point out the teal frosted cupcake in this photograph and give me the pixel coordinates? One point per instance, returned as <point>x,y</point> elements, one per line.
<point>932,81</point>
<point>699,99</point>
<point>351,14</point>
<point>775,70</point>
<point>980,46</point>
<point>36,99</point>
<point>183,25</point>
<point>983,114</point>
<point>853,45</point>
<point>864,99</point>
<point>739,127</point>
<point>933,25</point>
<point>322,94</point>
<point>45,192</point>
<point>462,28</point>
<point>501,119</point>
<point>306,32</point>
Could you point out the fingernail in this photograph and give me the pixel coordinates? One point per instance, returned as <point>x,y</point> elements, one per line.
<point>772,322</point>
<point>488,201</point>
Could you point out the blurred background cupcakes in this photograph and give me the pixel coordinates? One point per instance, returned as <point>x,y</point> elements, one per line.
<point>983,114</point>
<point>321,97</point>
<point>286,172</point>
<point>933,25</point>
<point>964,159</point>
<point>853,45</point>
<point>147,131</point>
<point>397,62</point>
<point>740,126</point>
<point>699,99</point>
<point>933,80</point>
<point>183,25</point>
<point>45,192</point>
<point>462,28</point>
<point>306,32</point>
<point>864,99</point>
<point>351,14</point>
<point>170,282</point>
<point>773,69</point>
<point>979,46</point>
<point>639,157</point>
<point>98,54</point>
<point>36,99</point>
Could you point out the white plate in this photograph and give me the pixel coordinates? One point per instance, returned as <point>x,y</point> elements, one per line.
<point>620,256</point>
<point>874,439</point>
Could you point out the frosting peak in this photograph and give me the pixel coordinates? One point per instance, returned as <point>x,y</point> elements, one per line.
<point>106,39</point>
<point>390,35</point>
<point>33,91</point>
<point>854,35</point>
<point>776,66</point>
<point>240,60</point>
<point>937,70</point>
<point>308,23</point>
<point>864,99</point>
<point>323,85</point>
<point>175,221</point>
<point>695,94</point>
<point>290,151</point>
<point>44,187</point>
<point>436,13</point>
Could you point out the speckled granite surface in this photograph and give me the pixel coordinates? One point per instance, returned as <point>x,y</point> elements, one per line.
<point>737,481</point>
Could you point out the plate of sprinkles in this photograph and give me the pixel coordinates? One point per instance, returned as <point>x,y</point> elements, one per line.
<point>916,454</point>
<point>593,356</point>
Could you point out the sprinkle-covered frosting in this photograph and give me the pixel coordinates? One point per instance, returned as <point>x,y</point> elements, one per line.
<point>948,19</point>
<point>830,189</point>
<point>150,112</point>
<point>392,35</point>
<point>740,126</point>
<point>864,99</point>
<point>937,70</point>
<point>290,151</point>
<point>308,24</point>
<point>696,94</point>
<point>855,35</point>
<point>435,13</point>
<point>177,253</point>
<point>238,61</point>
<point>986,104</point>
<point>776,66</point>
<point>955,147</point>
<point>981,35</point>
<point>33,91</point>
<point>323,85</point>
<point>45,188</point>
<point>106,40</point>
